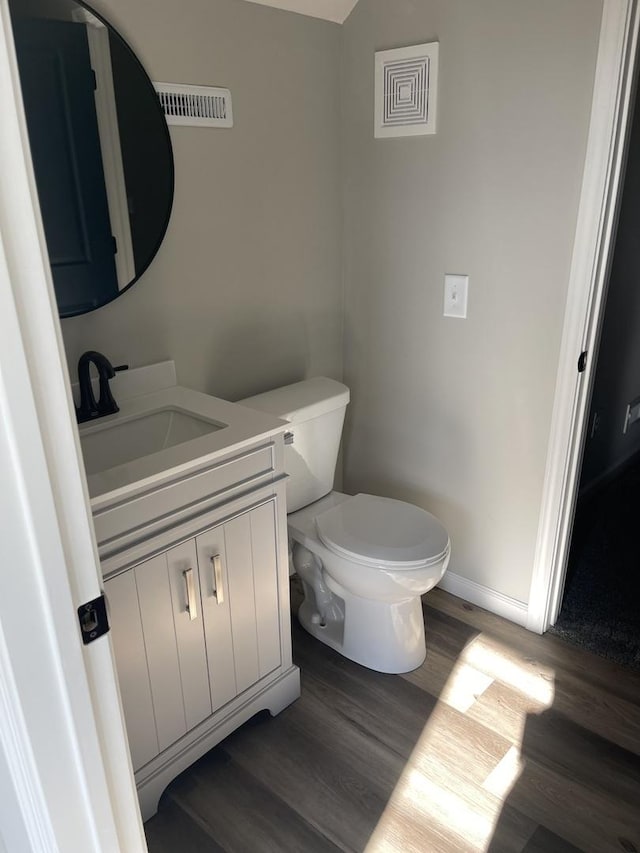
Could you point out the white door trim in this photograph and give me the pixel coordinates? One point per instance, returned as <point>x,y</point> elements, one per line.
<point>595,231</point>
<point>64,761</point>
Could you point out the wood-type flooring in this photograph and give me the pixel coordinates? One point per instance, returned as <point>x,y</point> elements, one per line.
<point>501,741</point>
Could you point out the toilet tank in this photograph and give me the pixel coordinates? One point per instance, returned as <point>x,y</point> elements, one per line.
<point>315,409</point>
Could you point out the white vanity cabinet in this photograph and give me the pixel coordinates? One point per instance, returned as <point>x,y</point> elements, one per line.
<point>194,627</point>
<point>196,581</point>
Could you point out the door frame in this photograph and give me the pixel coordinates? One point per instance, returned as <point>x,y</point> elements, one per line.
<point>65,771</point>
<point>611,111</point>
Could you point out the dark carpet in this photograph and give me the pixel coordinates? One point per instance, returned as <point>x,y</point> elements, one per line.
<point>601,604</point>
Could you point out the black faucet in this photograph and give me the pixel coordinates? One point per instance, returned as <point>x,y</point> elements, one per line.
<point>106,405</point>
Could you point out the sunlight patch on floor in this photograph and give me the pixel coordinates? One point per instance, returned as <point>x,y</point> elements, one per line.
<point>531,679</point>
<point>505,774</point>
<point>446,808</point>
<point>464,686</point>
<point>455,789</point>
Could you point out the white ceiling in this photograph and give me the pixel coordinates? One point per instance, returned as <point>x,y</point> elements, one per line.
<point>331,10</point>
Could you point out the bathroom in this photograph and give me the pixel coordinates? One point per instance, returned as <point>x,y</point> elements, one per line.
<point>299,245</point>
<point>303,232</point>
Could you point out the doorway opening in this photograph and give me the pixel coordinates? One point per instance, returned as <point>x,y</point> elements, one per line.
<point>600,602</point>
<point>602,186</point>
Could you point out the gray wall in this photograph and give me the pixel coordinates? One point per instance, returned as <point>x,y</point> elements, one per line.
<point>246,291</point>
<point>455,414</point>
<point>617,380</point>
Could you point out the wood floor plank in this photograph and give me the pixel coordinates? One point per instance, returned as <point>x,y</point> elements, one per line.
<point>171,829</point>
<point>241,813</point>
<point>500,661</point>
<point>544,841</point>
<point>448,744</point>
<point>324,786</point>
<point>405,828</point>
<point>574,812</point>
<point>554,741</point>
<point>503,709</point>
<point>389,707</point>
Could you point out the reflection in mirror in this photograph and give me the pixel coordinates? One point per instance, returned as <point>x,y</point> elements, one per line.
<point>100,148</point>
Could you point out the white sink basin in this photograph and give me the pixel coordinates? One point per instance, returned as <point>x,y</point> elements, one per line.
<point>119,442</point>
<point>159,436</point>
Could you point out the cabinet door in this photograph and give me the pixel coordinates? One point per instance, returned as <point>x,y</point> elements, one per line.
<point>169,593</point>
<point>156,609</point>
<point>158,637</point>
<point>242,623</point>
<point>212,564</point>
<point>253,593</point>
<point>237,534</point>
<point>131,661</point>
<point>182,564</point>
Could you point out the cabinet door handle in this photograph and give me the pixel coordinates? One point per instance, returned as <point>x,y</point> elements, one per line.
<point>218,591</point>
<point>192,607</point>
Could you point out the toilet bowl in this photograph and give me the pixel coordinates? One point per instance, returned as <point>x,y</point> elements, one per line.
<point>364,561</point>
<point>352,547</point>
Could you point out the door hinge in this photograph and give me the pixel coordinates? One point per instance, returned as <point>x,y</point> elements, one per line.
<point>93,619</point>
<point>115,245</point>
<point>94,80</point>
<point>582,361</point>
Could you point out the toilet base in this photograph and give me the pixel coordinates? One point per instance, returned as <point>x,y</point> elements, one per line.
<point>383,636</point>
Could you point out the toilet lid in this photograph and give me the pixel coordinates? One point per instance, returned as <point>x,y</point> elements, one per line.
<point>383,532</point>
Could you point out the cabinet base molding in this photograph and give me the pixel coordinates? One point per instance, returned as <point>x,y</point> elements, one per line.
<point>152,779</point>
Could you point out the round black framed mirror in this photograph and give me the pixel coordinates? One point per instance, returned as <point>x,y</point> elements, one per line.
<point>100,147</point>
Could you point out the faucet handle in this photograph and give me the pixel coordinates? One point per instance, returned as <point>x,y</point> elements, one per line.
<point>106,402</point>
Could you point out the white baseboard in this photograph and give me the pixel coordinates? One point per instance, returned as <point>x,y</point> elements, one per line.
<point>482,596</point>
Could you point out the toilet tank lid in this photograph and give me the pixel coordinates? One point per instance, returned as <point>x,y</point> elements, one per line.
<point>301,401</point>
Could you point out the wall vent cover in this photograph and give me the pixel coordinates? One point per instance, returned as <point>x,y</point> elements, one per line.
<point>406,91</point>
<point>204,106</point>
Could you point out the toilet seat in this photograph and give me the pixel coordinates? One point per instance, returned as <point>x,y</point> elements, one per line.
<point>383,533</point>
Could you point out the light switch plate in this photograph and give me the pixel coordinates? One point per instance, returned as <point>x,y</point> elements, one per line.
<point>455,295</point>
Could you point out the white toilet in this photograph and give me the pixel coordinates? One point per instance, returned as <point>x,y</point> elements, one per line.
<point>364,561</point>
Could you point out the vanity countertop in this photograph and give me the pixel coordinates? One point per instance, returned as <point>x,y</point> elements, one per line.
<point>220,428</point>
